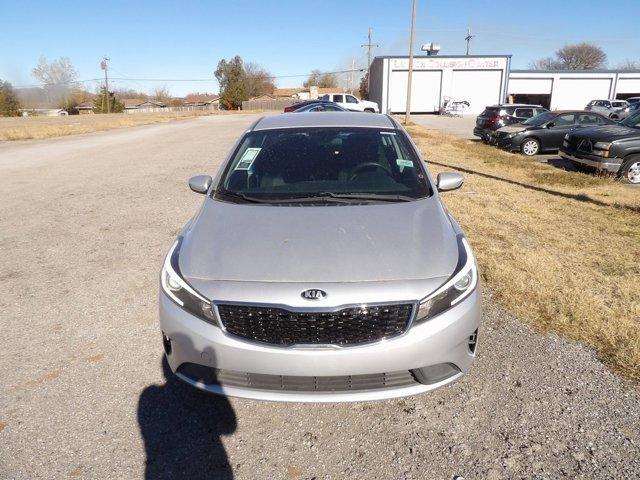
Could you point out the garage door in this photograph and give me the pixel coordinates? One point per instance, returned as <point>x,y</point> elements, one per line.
<point>575,93</point>
<point>629,86</point>
<point>425,91</point>
<point>537,86</point>
<point>479,87</point>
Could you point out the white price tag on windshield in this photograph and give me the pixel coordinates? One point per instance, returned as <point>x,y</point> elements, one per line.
<point>247,159</point>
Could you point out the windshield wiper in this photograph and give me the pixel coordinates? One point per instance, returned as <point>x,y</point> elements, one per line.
<point>383,197</point>
<point>242,196</point>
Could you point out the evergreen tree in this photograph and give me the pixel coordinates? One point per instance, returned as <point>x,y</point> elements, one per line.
<point>9,103</point>
<point>100,102</point>
<point>231,78</point>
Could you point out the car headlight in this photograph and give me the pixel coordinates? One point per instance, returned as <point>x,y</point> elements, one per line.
<point>601,149</point>
<point>602,145</point>
<point>180,291</point>
<point>456,289</point>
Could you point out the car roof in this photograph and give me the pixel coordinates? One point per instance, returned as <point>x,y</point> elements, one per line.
<point>562,112</point>
<point>327,119</point>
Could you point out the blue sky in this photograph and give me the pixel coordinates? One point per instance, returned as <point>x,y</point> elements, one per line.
<point>168,40</point>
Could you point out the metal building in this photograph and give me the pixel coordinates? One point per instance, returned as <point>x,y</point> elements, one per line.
<point>486,80</point>
<point>480,80</point>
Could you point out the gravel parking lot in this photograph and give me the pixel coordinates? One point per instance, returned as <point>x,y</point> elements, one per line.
<point>85,393</point>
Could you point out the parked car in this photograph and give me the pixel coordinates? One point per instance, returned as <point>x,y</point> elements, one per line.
<point>303,103</point>
<point>631,109</point>
<point>544,132</point>
<point>351,102</point>
<point>321,107</point>
<point>321,266</point>
<point>608,108</point>
<point>497,116</point>
<point>615,148</point>
<point>632,100</point>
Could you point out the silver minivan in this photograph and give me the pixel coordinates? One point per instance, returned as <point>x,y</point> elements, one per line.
<point>321,267</point>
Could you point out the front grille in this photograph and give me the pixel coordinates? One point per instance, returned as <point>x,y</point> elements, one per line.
<point>349,326</point>
<point>290,383</point>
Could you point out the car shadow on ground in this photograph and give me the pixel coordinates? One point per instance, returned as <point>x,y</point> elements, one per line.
<point>182,428</point>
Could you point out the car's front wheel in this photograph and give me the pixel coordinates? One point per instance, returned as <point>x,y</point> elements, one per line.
<point>630,170</point>
<point>530,147</point>
<point>369,110</point>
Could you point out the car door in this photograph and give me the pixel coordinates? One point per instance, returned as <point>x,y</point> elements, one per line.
<point>339,99</point>
<point>557,128</point>
<point>352,103</point>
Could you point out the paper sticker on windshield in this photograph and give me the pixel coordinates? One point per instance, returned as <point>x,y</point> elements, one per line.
<point>387,133</point>
<point>247,159</point>
<point>404,163</point>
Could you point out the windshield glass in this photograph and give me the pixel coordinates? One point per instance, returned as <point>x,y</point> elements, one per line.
<point>633,121</point>
<point>324,163</point>
<point>539,119</point>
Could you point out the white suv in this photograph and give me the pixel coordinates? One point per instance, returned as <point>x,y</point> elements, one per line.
<point>350,102</point>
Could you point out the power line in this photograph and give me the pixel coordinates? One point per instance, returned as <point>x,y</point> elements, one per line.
<point>301,75</point>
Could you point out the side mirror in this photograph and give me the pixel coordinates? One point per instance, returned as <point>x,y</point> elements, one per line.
<point>200,183</point>
<point>551,124</point>
<point>449,181</point>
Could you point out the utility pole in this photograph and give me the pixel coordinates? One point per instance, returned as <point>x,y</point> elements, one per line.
<point>104,65</point>
<point>369,46</point>
<point>353,67</point>
<point>407,114</point>
<point>468,39</point>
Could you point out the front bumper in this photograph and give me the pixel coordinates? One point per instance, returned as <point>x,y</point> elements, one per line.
<point>444,339</point>
<point>607,164</point>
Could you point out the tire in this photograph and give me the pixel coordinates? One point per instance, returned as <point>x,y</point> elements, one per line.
<point>630,170</point>
<point>369,110</point>
<point>613,116</point>
<point>530,147</point>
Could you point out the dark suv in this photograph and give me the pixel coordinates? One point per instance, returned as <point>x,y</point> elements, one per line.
<point>612,148</point>
<point>497,116</point>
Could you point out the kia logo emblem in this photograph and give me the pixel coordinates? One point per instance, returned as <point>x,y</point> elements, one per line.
<point>313,294</point>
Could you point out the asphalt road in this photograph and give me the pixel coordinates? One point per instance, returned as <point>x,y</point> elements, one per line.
<point>85,221</point>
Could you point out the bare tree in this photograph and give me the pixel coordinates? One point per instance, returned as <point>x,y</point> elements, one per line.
<point>580,56</point>
<point>629,65</point>
<point>258,80</point>
<point>319,79</point>
<point>546,63</point>
<point>59,78</point>
<point>162,94</point>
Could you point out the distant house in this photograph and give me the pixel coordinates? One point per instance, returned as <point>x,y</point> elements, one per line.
<point>152,104</point>
<point>202,100</point>
<point>132,103</point>
<point>264,97</point>
<point>287,92</point>
<point>85,107</point>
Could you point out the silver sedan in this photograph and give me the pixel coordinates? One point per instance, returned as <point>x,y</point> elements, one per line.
<point>321,266</point>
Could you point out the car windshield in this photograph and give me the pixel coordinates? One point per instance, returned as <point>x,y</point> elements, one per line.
<point>633,121</point>
<point>539,119</point>
<point>337,165</point>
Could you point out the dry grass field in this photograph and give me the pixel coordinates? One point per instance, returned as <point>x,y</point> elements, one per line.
<point>24,128</point>
<point>560,249</point>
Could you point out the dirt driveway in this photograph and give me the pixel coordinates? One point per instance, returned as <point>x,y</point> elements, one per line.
<point>85,221</point>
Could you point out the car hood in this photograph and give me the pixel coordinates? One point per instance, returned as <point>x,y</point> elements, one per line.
<point>515,128</point>
<point>341,243</point>
<point>608,133</point>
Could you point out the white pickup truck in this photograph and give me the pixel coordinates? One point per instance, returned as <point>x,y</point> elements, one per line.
<point>350,102</point>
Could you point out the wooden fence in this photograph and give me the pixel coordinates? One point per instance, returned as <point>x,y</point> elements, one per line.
<point>204,108</point>
<point>274,104</point>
